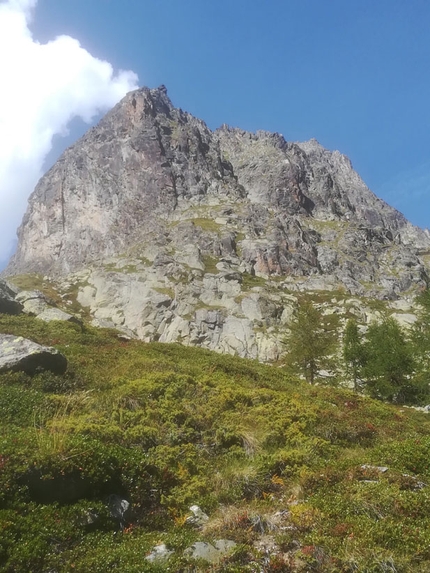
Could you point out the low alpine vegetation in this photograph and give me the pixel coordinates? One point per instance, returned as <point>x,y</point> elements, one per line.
<point>101,465</point>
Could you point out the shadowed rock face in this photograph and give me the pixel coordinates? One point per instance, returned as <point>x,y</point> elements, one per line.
<point>175,231</point>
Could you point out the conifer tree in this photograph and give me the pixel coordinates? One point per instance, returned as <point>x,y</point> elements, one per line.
<point>421,334</point>
<point>353,351</point>
<point>389,362</point>
<point>311,341</point>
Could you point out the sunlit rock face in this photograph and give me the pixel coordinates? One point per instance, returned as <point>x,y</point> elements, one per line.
<point>177,232</point>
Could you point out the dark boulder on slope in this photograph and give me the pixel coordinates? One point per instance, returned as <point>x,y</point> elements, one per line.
<point>20,354</point>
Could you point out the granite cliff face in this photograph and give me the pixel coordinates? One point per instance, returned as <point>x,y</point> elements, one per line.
<point>173,232</point>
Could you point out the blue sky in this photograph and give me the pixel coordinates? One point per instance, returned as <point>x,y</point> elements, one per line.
<point>354,74</point>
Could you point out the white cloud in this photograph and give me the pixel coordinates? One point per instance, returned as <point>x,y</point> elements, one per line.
<point>43,87</point>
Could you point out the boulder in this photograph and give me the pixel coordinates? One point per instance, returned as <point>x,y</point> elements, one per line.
<point>251,307</point>
<point>405,319</point>
<point>118,508</point>
<point>20,354</point>
<point>199,517</point>
<point>379,469</point>
<point>238,337</point>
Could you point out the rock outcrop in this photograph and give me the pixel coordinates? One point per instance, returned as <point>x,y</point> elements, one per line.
<point>33,302</point>
<point>172,232</point>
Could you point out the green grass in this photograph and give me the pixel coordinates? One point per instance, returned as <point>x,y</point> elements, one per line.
<point>249,281</point>
<point>207,224</point>
<point>126,269</point>
<point>210,264</point>
<point>166,290</point>
<point>36,282</point>
<point>167,426</point>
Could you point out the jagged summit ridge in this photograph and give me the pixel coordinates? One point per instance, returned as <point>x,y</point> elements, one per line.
<point>147,163</point>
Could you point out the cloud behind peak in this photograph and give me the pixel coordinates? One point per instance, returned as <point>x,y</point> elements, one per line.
<point>44,87</point>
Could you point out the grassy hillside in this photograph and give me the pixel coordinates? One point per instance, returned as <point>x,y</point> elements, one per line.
<point>291,472</point>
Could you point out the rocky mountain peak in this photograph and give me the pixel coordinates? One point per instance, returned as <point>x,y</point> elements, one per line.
<point>213,228</point>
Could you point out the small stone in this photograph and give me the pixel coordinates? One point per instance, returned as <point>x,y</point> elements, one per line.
<point>159,553</point>
<point>118,508</point>
<point>208,552</point>
<point>199,517</point>
<point>380,469</point>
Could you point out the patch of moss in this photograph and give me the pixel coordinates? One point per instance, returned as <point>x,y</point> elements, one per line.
<point>325,296</point>
<point>71,297</point>
<point>128,269</point>
<point>166,290</point>
<point>111,266</point>
<point>249,281</point>
<point>319,224</point>
<point>202,304</point>
<point>37,282</point>
<point>210,264</point>
<point>207,224</point>
<point>376,304</point>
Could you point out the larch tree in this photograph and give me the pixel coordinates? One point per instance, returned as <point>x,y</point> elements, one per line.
<point>420,334</point>
<point>312,340</point>
<point>353,352</point>
<point>389,362</point>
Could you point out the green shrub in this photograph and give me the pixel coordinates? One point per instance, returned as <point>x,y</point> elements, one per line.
<point>17,404</point>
